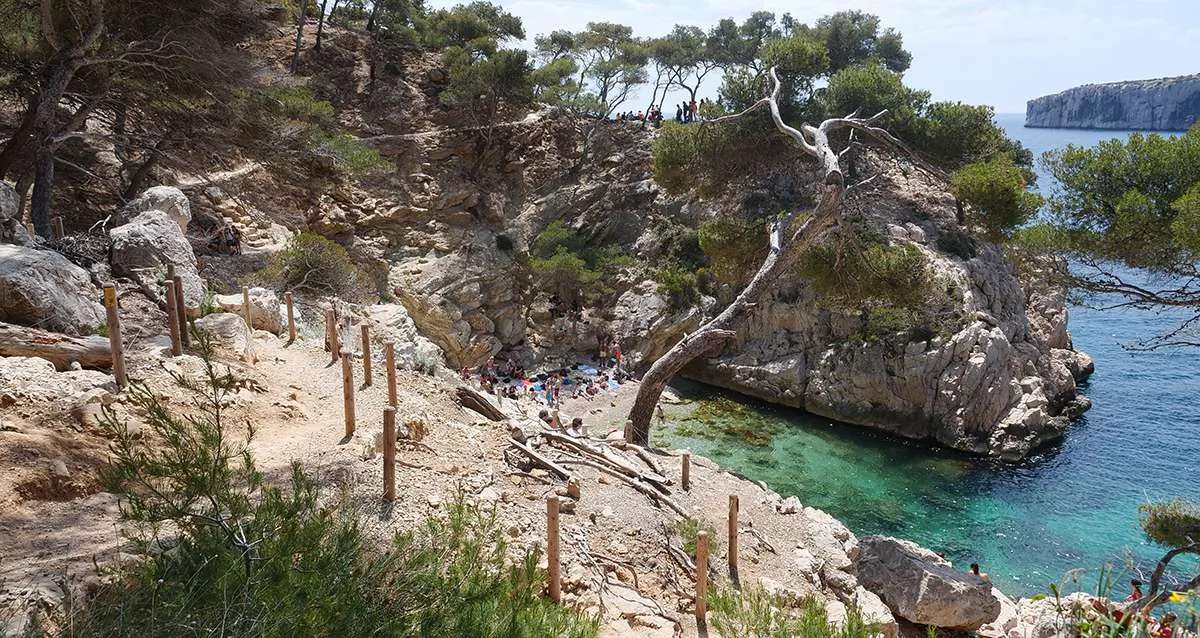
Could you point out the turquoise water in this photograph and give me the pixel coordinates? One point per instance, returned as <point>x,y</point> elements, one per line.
<point>1070,506</point>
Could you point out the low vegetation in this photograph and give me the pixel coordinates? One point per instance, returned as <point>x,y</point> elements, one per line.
<point>754,613</point>
<point>565,265</point>
<point>994,193</point>
<point>223,549</point>
<point>311,263</point>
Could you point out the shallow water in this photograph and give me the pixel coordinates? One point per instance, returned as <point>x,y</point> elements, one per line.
<point>1072,505</point>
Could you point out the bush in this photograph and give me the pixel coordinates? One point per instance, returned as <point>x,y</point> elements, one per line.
<point>226,552</point>
<point>734,247</point>
<point>689,533</point>
<point>681,285</point>
<point>755,613</point>
<point>311,262</point>
<point>563,264</point>
<point>995,194</point>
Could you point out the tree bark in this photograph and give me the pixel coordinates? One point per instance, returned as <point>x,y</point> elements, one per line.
<point>321,23</point>
<point>43,189</point>
<point>788,242</point>
<point>299,35</point>
<point>59,349</point>
<point>19,139</point>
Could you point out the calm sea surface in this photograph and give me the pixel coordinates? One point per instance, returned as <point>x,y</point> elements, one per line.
<point>1071,506</point>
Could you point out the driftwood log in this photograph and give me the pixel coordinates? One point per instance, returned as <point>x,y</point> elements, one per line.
<point>541,461</point>
<point>789,235</point>
<point>475,401</point>
<point>57,348</point>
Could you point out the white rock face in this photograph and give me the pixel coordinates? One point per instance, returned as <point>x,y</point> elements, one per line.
<point>921,587</point>
<point>1166,104</point>
<point>142,248</point>
<point>226,329</point>
<point>35,379</point>
<point>265,310</point>
<point>167,199</point>
<point>391,322</point>
<point>41,288</point>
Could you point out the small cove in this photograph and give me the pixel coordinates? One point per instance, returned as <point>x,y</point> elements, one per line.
<point>1072,505</point>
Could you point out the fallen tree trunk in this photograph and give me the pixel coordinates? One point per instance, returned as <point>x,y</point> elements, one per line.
<point>479,403</point>
<point>57,348</point>
<point>612,460</point>
<point>540,460</point>
<point>787,243</point>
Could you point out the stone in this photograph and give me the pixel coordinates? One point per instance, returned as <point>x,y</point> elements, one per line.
<point>921,587</point>
<point>34,379</point>
<point>413,350</point>
<point>265,310</point>
<point>11,228</point>
<point>226,330</point>
<point>167,199</point>
<point>142,248</point>
<point>41,288</point>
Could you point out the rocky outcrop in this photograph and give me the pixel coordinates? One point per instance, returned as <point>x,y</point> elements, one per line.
<point>167,199</point>
<point>11,229</point>
<point>265,310</point>
<point>922,587</point>
<point>1165,104</point>
<point>41,288</point>
<point>412,350</point>
<point>142,248</point>
<point>226,330</point>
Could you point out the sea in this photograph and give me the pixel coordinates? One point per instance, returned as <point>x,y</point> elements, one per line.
<point>1063,516</point>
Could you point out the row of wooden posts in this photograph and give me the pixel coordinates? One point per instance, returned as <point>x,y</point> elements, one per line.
<point>177,322</point>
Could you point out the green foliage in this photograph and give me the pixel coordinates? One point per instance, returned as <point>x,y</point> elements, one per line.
<point>689,530</point>
<point>609,61</point>
<point>297,103</point>
<point>870,88</point>
<point>753,612</point>
<point>1173,523</point>
<point>956,134</point>
<point>349,154</point>
<point>734,247</point>
<point>479,27</point>
<point>995,194</point>
<point>227,552</point>
<point>311,262</point>
<point>853,37</point>
<point>679,283</point>
<point>1131,200</point>
<point>564,264</point>
<point>890,285</point>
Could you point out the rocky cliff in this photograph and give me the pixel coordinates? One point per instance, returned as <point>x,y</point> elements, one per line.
<point>1166,104</point>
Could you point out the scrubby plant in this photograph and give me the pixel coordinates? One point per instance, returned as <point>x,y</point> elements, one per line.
<point>561,262</point>
<point>679,284</point>
<point>310,262</point>
<point>996,196</point>
<point>225,551</point>
<point>689,530</point>
<point>734,247</point>
<point>752,612</point>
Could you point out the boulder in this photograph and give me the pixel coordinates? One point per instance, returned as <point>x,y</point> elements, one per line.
<point>11,229</point>
<point>413,350</point>
<point>41,288</point>
<point>33,379</point>
<point>226,330</point>
<point>922,587</point>
<point>265,313</point>
<point>167,199</point>
<point>142,248</point>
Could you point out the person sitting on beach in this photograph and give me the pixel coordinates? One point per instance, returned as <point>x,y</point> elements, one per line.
<point>982,575</point>
<point>577,429</point>
<point>1166,626</point>
<point>1136,594</point>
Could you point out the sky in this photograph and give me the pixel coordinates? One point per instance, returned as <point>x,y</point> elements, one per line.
<point>996,52</point>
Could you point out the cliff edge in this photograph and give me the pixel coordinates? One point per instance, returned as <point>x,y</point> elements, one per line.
<point>1164,104</point>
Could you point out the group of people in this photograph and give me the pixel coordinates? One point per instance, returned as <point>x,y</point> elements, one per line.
<point>1163,627</point>
<point>688,112</point>
<point>653,115</point>
<point>507,379</point>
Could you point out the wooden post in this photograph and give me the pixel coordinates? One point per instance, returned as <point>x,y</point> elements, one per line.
<point>389,357</point>
<point>366,347</point>
<point>287,296</point>
<point>114,335</point>
<point>554,583</point>
<point>181,308</point>
<point>58,228</point>
<point>389,453</point>
<point>172,318</point>
<point>701,576</point>
<point>686,479</point>
<point>629,431</point>
<point>331,335</point>
<point>246,309</point>
<point>348,393</point>
<point>733,534</point>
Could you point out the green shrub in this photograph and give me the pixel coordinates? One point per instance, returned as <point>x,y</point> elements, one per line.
<point>681,285</point>
<point>350,155</point>
<point>225,552</point>
<point>734,247</point>
<point>298,103</point>
<point>563,263</point>
<point>755,613</point>
<point>995,194</point>
<point>689,529</point>
<point>312,263</point>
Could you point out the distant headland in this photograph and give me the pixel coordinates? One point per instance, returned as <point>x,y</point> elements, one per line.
<point>1164,104</point>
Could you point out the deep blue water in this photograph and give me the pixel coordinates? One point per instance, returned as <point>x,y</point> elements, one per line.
<point>1070,506</point>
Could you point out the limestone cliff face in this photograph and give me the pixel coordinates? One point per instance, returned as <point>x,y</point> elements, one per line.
<point>1166,104</point>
